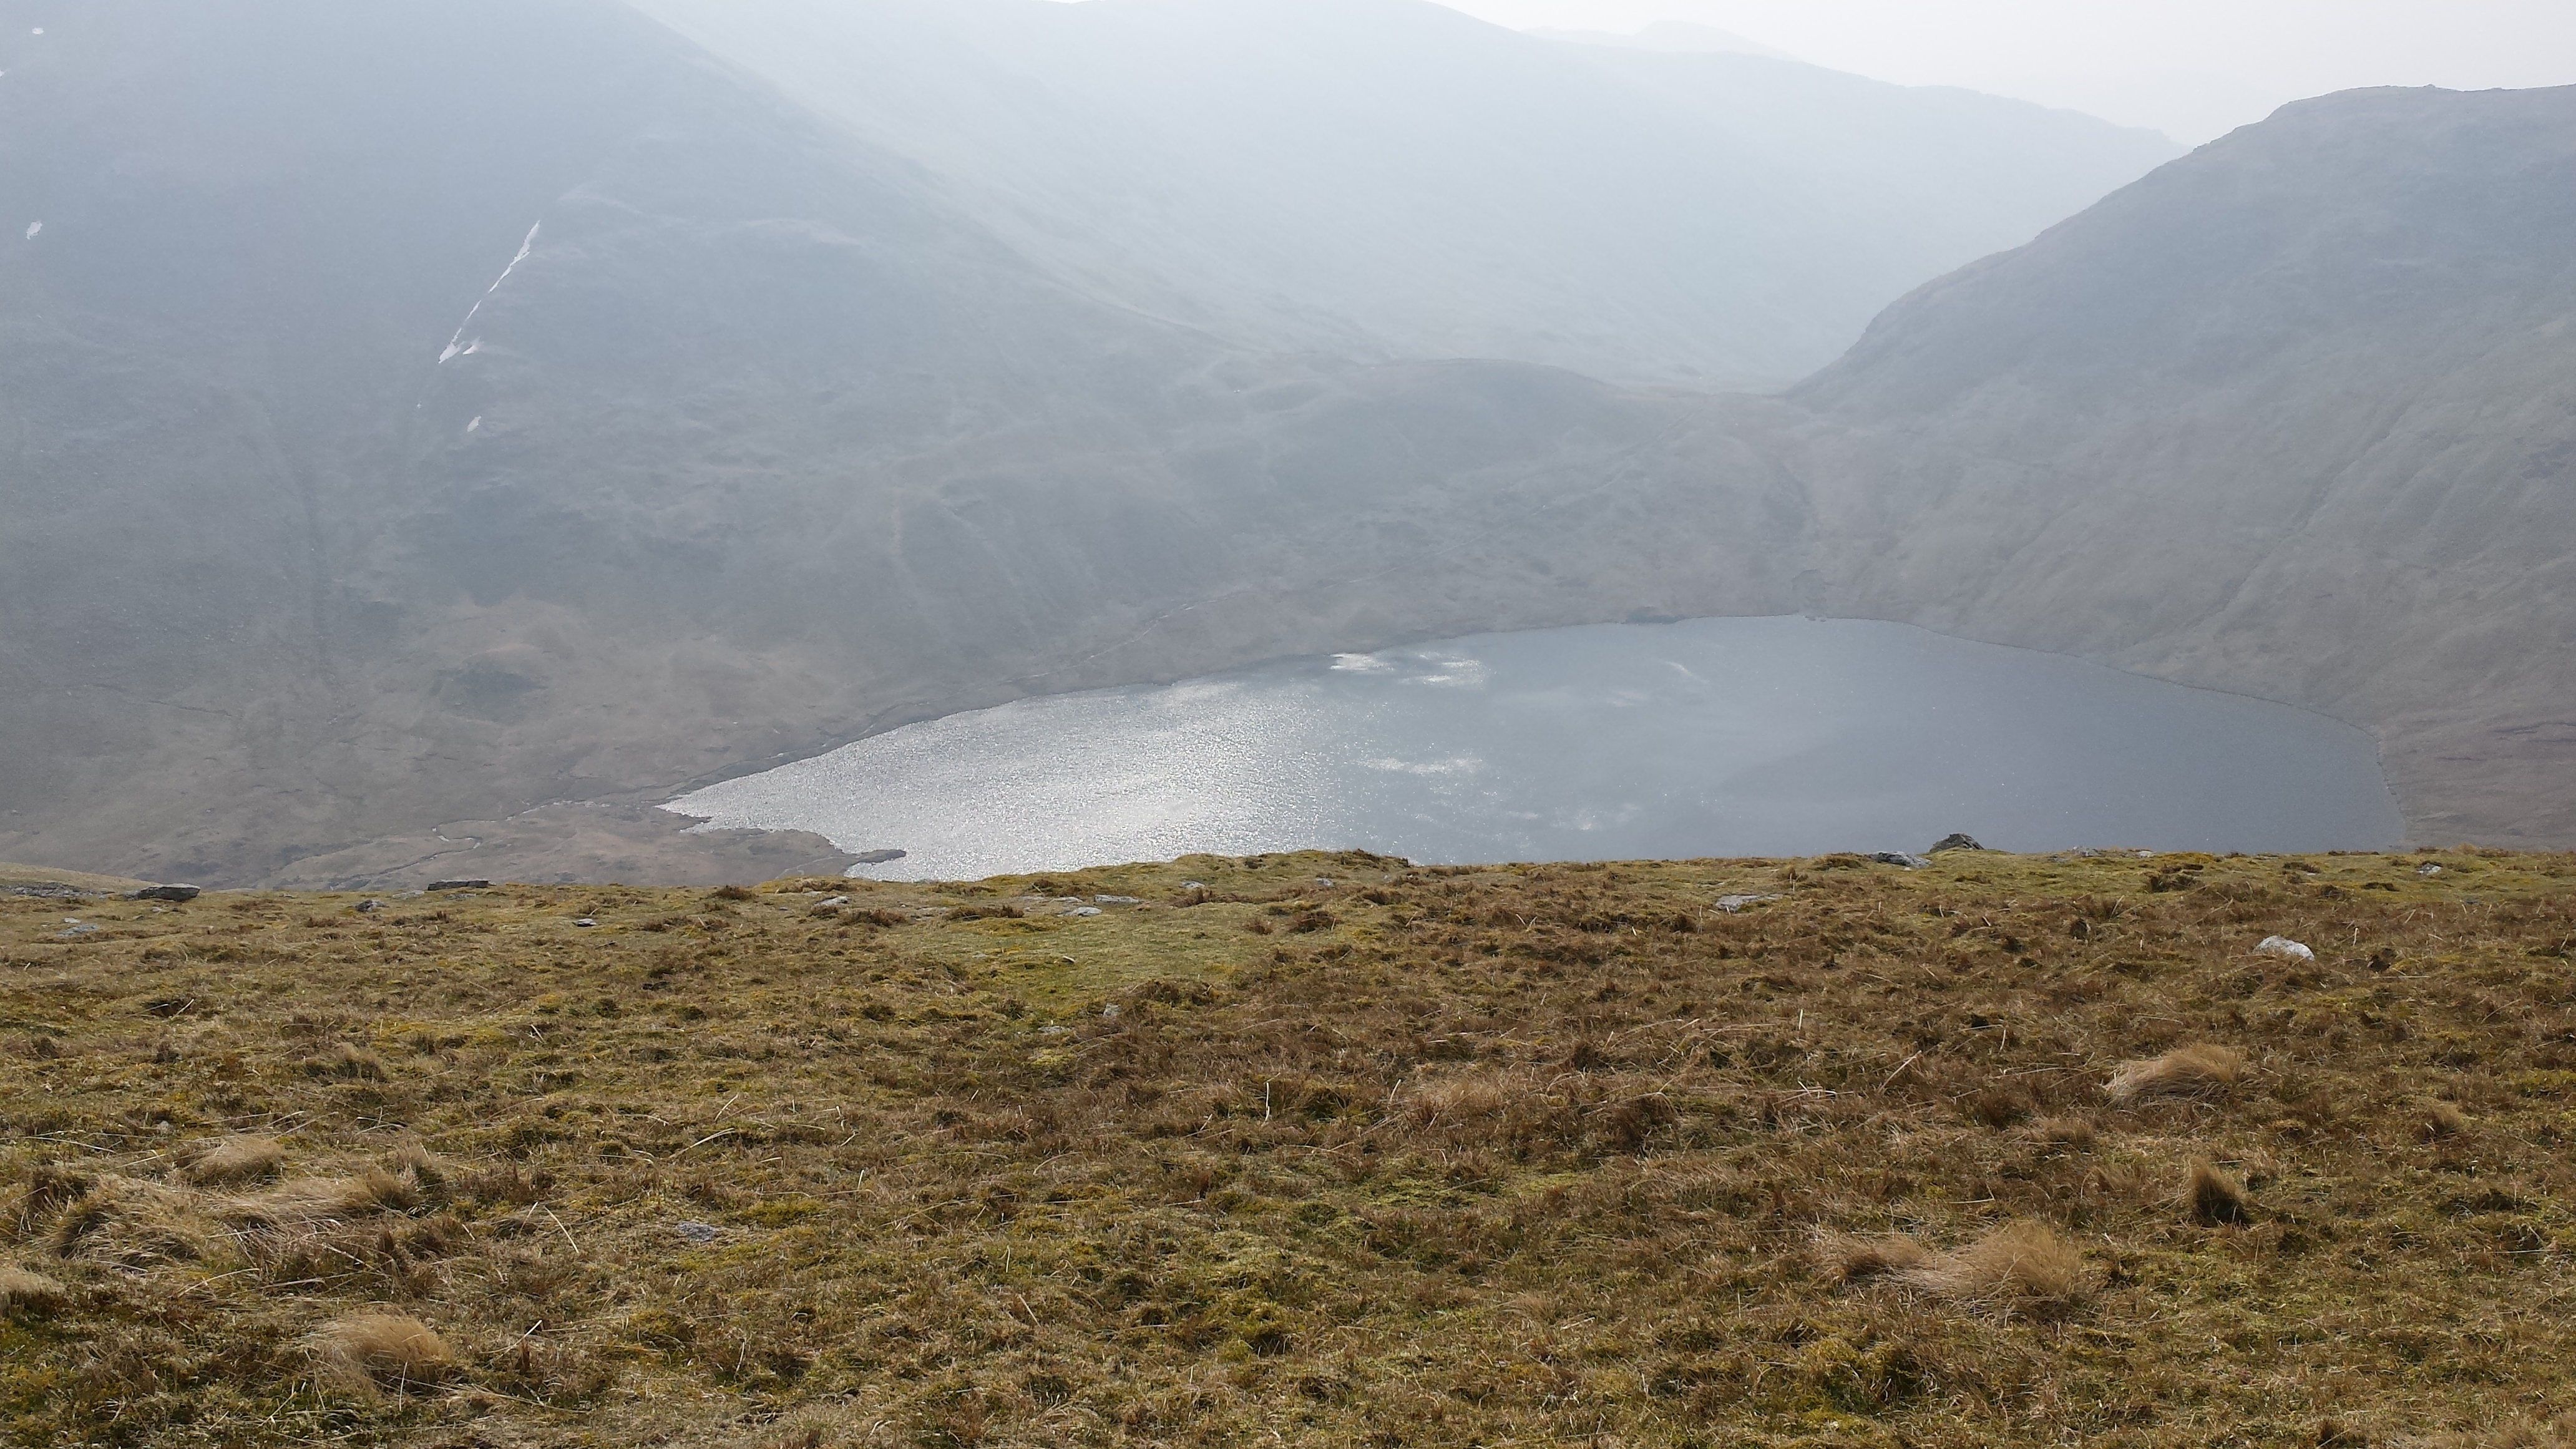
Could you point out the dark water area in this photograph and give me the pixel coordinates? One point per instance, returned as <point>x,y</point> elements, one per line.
<point>1711,737</point>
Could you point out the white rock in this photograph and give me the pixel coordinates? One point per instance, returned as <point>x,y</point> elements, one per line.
<point>2285,948</point>
<point>2429,870</point>
<point>1732,904</point>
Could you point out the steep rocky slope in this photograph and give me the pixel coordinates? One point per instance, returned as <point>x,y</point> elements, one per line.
<point>2295,417</point>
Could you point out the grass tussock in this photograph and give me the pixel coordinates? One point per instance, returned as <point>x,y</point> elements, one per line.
<point>2072,1133</point>
<point>309,1199</point>
<point>1863,1259</point>
<point>25,1294</point>
<point>2191,1071</point>
<point>1434,1155</point>
<point>371,1350</point>
<point>2213,1198</point>
<point>2437,1120</point>
<point>2025,1265</point>
<point>237,1159</point>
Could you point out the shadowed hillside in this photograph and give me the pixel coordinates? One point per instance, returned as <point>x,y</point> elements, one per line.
<point>375,475</point>
<point>392,499</point>
<point>2295,417</point>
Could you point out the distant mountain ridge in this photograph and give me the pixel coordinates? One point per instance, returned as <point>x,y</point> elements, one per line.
<point>1392,179</point>
<point>1672,37</point>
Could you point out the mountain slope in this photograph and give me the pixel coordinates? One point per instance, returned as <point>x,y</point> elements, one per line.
<point>372,475</point>
<point>2296,417</point>
<point>1392,178</point>
<point>632,424</point>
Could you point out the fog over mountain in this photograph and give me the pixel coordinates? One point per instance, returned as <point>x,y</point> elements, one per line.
<point>1388,178</point>
<point>1668,36</point>
<point>516,412</point>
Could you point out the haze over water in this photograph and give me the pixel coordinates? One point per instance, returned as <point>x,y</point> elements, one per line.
<point>1779,736</point>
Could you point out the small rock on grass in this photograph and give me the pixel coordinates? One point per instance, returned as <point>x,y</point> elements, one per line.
<point>1732,904</point>
<point>2285,948</point>
<point>699,1233</point>
<point>1955,842</point>
<point>165,893</point>
<point>1898,857</point>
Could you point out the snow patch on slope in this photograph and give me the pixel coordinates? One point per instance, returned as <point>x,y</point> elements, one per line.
<point>456,344</point>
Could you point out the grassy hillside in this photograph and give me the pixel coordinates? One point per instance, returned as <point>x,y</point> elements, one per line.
<point>27,879</point>
<point>1319,1148</point>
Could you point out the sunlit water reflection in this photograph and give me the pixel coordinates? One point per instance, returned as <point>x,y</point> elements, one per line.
<point>1710,737</point>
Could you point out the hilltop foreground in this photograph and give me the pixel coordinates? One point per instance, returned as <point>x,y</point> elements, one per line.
<point>1323,1149</point>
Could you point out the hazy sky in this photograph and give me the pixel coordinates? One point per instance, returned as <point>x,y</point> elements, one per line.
<point>2191,68</point>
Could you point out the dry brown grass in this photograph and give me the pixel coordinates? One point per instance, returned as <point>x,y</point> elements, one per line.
<point>2024,1264</point>
<point>230,1160</point>
<point>2191,1071</point>
<point>377,1349</point>
<point>1859,1259</point>
<point>135,1223</point>
<point>2070,1132</point>
<point>303,1200</point>
<point>26,1294</point>
<point>2441,1119</point>
<point>2518,1432</point>
<point>1533,1154</point>
<point>2213,1198</point>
